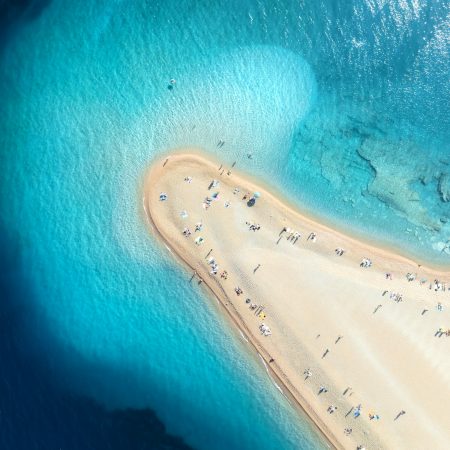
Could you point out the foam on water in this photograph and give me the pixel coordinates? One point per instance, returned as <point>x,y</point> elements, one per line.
<point>339,103</point>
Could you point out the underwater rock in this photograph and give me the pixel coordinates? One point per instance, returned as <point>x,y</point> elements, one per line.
<point>444,187</point>
<point>397,165</point>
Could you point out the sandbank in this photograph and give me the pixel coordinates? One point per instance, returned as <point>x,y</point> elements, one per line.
<point>368,339</point>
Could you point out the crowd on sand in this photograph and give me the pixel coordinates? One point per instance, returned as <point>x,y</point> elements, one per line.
<point>293,236</point>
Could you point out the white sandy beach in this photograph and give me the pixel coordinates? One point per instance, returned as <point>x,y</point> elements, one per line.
<point>325,312</point>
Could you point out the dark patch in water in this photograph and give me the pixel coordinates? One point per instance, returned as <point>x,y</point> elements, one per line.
<point>14,13</point>
<point>35,413</point>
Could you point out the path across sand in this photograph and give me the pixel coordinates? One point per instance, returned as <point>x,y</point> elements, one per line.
<point>367,339</point>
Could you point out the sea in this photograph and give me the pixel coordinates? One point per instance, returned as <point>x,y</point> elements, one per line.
<point>342,106</point>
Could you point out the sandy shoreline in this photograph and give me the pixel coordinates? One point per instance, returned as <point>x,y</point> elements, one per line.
<point>278,377</point>
<point>337,301</point>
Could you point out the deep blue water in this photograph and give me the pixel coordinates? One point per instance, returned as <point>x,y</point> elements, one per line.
<point>345,108</point>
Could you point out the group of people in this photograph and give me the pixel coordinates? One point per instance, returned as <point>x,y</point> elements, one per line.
<point>437,286</point>
<point>411,276</point>
<point>442,331</point>
<point>253,226</point>
<point>332,408</point>
<point>394,296</point>
<point>293,236</point>
<point>265,330</point>
<point>365,262</point>
<point>207,202</point>
<point>214,266</point>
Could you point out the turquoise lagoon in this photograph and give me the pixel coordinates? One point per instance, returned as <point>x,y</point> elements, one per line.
<point>344,107</point>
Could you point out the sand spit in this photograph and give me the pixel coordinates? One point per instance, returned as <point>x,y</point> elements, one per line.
<point>354,334</point>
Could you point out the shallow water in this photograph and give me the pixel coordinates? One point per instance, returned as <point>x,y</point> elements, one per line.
<point>343,107</point>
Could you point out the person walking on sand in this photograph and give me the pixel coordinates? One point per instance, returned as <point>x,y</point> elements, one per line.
<point>325,354</point>
<point>400,414</point>
<point>377,308</point>
<point>307,373</point>
<point>256,268</point>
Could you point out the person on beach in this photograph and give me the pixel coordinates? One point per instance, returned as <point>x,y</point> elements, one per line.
<point>312,236</point>
<point>307,373</point>
<point>331,409</point>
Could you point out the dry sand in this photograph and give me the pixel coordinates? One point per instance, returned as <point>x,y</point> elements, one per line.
<point>386,361</point>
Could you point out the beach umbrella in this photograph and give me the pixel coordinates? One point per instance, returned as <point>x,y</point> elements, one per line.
<point>256,195</point>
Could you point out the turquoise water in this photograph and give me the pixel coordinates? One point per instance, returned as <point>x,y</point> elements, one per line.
<point>344,107</point>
